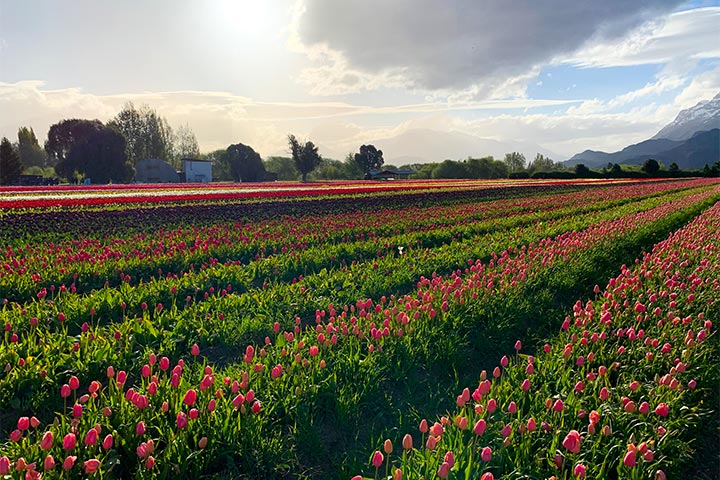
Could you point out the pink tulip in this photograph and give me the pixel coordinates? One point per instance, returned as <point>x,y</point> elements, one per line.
<point>48,463</point>
<point>580,470</point>
<point>47,440</point>
<point>558,405</point>
<point>190,397</point>
<point>23,423</point>
<point>378,459</point>
<point>662,409</point>
<point>65,391</point>
<point>140,428</point>
<point>108,442</point>
<point>423,426</point>
<point>443,470</point>
<point>479,427</point>
<point>69,462</point>
<point>486,454</point>
<point>92,465</point>
<point>74,383</point>
<point>91,437</point>
<point>572,441</point>
<point>195,350</point>
<point>487,476</point>
<point>630,459</point>
<point>4,465</point>
<point>69,441</point>
<point>181,420</point>
<point>660,475</point>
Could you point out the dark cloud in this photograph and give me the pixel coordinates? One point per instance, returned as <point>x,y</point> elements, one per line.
<point>456,43</point>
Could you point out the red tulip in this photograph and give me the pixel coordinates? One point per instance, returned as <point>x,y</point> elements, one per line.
<point>662,409</point>
<point>92,465</point>
<point>69,462</point>
<point>69,441</point>
<point>47,440</point>
<point>48,463</point>
<point>190,397</point>
<point>377,459</point>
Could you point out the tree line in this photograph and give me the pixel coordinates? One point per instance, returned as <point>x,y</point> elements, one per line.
<point>108,152</point>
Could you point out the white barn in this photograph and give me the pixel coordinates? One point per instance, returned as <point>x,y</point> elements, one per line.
<point>197,171</point>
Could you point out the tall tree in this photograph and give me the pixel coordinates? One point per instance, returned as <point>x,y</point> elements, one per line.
<point>30,151</point>
<point>101,158</point>
<point>651,166</point>
<point>369,158</point>
<point>185,144</point>
<point>10,165</point>
<point>63,135</point>
<point>306,157</point>
<point>245,163</point>
<point>541,163</point>
<point>515,161</point>
<point>147,134</point>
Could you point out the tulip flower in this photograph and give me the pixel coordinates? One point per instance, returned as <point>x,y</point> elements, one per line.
<point>47,440</point>
<point>407,442</point>
<point>486,454</point>
<point>69,462</point>
<point>69,441</point>
<point>377,459</point>
<point>48,463</point>
<point>92,465</point>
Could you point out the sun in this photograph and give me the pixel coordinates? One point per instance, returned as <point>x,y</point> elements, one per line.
<point>250,16</point>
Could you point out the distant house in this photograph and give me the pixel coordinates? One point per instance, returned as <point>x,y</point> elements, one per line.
<point>388,174</point>
<point>197,171</point>
<point>153,170</point>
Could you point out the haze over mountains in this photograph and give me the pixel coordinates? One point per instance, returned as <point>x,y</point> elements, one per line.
<point>691,141</point>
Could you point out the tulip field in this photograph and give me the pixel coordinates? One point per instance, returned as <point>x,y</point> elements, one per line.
<point>405,330</point>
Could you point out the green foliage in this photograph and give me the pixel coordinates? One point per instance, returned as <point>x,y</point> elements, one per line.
<point>369,158</point>
<point>147,134</point>
<point>515,161</point>
<point>243,163</point>
<point>31,154</point>
<point>283,166</point>
<point>305,156</point>
<point>582,171</point>
<point>63,136</point>
<point>651,167</point>
<point>100,157</point>
<point>10,166</point>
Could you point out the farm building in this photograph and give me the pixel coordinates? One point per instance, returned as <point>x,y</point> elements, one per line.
<point>197,171</point>
<point>388,174</point>
<point>153,170</point>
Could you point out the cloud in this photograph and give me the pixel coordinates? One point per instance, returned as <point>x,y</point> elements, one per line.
<point>480,48</point>
<point>217,118</point>
<point>689,35</point>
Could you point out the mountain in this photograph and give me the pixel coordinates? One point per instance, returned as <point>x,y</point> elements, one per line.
<point>646,149</point>
<point>701,149</point>
<point>426,146</point>
<point>690,141</point>
<point>703,116</point>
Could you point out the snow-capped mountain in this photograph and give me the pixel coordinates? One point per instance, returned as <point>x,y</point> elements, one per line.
<point>703,116</point>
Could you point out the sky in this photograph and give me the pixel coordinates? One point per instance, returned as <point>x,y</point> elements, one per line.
<point>423,80</point>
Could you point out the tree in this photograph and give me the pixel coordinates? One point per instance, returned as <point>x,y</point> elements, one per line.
<point>369,158</point>
<point>306,157</point>
<point>283,166</point>
<point>10,165</point>
<point>582,171</point>
<point>30,151</point>
<point>245,163</point>
<point>185,144</point>
<point>63,135</point>
<point>515,161</point>
<point>100,157</point>
<point>450,169</point>
<point>541,163</point>
<point>147,134</point>
<point>351,168</point>
<point>674,168</point>
<point>651,166</point>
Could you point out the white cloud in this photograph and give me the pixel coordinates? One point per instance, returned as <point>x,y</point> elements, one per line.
<point>486,49</point>
<point>689,35</point>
